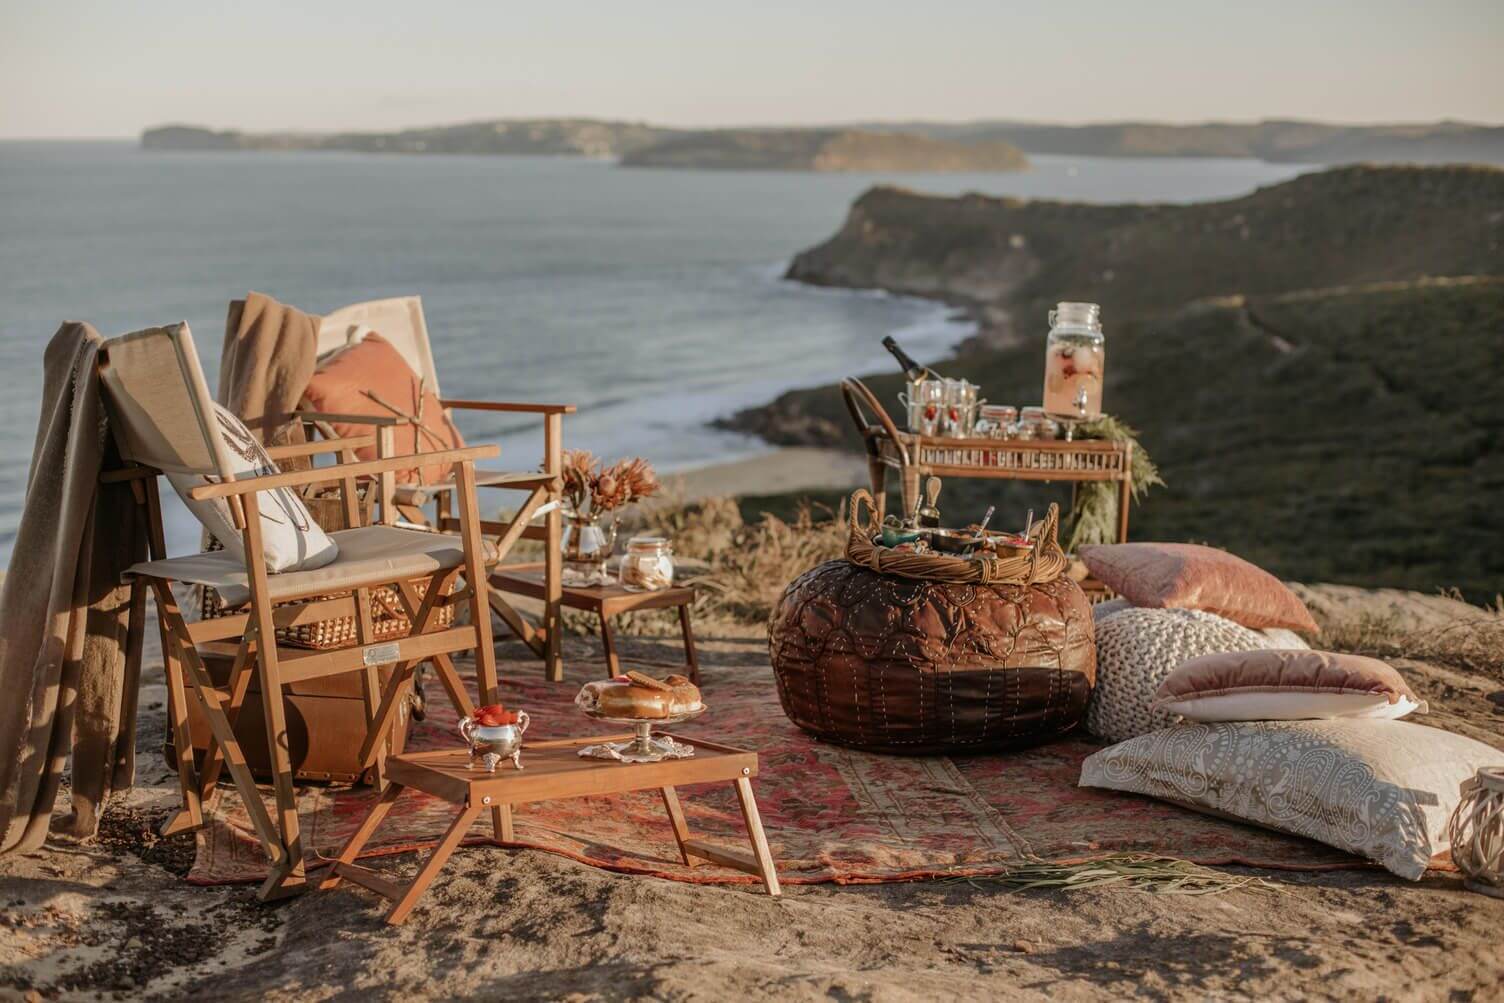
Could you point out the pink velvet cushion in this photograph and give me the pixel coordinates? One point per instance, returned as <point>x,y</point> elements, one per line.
<point>1188,576</point>
<point>1282,670</point>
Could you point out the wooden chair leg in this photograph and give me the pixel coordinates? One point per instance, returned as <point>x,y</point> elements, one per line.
<point>180,644</point>
<point>130,682</point>
<point>691,658</point>
<point>290,876</point>
<point>608,642</point>
<point>553,558</point>
<point>239,685</point>
<point>362,835</point>
<point>433,865</point>
<point>191,815</point>
<point>477,581</point>
<point>757,836</point>
<point>681,827</point>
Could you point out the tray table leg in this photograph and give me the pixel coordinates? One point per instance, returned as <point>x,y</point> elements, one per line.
<point>358,839</point>
<point>501,823</point>
<point>434,864</point>
<point>758,837</point>
<point>681,827</point>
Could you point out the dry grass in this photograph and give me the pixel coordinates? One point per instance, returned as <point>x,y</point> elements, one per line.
<point>740,568</point>
<point>1473,642</point>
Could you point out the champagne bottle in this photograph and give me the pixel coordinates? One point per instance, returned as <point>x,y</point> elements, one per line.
<point>911,369</point>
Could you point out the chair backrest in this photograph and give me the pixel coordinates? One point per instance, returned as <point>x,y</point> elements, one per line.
<point>160,403</point>
<point>398,320</point>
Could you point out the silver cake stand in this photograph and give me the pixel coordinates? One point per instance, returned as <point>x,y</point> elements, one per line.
<point>644,747</point>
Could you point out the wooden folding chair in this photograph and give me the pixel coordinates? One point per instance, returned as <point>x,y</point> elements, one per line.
<point>164,422</point>
<point>400,321</point>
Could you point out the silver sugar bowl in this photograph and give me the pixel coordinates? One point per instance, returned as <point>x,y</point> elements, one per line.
<point>491,744</point>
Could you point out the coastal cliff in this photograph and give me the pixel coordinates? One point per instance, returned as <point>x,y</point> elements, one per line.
<point>1008,260</point>
<point>824,150</point>
<point>1272,140</point>
<point>1316,398</point>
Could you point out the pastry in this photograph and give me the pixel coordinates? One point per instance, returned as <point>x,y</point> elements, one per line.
<point>638,696</point>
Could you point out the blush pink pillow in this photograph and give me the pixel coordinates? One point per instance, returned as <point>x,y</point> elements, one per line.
<point>1188,576</point>
<point>1285,685</point>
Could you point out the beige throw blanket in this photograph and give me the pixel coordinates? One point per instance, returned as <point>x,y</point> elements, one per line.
<point>63,611</point>
<point>269,354</point>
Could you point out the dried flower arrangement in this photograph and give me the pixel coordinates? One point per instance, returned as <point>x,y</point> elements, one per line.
<point>593,489</point>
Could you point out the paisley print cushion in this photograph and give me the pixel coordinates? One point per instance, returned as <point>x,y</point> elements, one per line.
<point>1381,789</point>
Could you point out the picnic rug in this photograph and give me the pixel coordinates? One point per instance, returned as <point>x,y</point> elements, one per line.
<point>831,814</point>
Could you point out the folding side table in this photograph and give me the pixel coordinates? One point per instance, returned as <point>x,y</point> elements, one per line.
<point>554,770</point>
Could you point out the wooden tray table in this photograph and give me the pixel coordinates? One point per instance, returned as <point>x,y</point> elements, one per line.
<point>553,770</point>
<point>605,601</point>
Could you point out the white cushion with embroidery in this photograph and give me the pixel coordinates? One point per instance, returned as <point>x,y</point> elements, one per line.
<point>290,539</point>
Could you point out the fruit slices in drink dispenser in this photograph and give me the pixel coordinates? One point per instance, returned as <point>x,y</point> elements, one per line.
<point>1075,355</point>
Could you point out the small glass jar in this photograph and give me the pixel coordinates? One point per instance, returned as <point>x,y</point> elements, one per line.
<point>1034,423</point>
<point>648,565</point>
<point>998,421</point>
<point>1074,357</point>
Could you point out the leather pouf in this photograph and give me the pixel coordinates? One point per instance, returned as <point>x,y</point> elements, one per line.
<point>899,665</point>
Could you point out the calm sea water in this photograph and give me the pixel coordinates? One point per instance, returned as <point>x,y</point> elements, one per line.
<point>649,298</point>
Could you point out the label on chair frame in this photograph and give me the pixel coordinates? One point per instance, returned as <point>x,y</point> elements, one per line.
<point>380,654</point>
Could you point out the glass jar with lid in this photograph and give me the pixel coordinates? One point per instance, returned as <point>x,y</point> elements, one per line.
<point>1073,364</point>
<point>648,565</point>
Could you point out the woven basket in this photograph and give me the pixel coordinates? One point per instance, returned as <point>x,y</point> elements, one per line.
<point>388,619</point>
<point>1045,562</point>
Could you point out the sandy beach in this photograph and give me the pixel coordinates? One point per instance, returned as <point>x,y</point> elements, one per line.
<point>781,471</point>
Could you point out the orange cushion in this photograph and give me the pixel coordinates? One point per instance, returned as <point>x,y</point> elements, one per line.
<point>1188,576</point>
<point>372,378</point>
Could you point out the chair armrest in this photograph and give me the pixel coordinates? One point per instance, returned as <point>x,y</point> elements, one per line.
<point>340,472</point>
<point>320,446</point>
<point>350,419</point>
<point>513,406</point>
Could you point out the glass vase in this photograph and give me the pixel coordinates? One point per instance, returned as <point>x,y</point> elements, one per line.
<point>587,544</point>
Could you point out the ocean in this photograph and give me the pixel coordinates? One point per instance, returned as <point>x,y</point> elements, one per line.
<point>651,299</point>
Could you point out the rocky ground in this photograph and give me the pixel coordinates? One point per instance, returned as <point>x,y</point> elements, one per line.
<point>113,918</point>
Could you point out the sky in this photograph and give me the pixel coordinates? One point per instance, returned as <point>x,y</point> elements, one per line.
<point>109,68</point>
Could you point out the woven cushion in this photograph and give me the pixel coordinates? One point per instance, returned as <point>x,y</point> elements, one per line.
<point>1285,686</point>
<point>290,539</point>
<point>372,555</point>
<point>1137,649</point>
<point>1381,789</point>
<point>372,378</point>
<point>1188,576</point>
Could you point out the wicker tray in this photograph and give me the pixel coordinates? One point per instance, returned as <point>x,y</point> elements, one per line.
<point>388,618</point>
<point>1045,562</point>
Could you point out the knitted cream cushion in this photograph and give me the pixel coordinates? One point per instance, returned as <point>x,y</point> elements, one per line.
<point>1137,649</point>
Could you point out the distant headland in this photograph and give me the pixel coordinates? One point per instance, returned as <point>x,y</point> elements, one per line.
<point>883,146</point>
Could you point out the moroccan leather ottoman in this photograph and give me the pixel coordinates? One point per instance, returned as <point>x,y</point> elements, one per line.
<point>900,665</point>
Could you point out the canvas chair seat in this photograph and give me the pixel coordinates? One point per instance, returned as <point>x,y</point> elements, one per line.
<point>422,494</point>
<point>371,555</point>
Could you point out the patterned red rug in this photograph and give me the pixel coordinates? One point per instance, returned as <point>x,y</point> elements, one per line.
<point>831,814</point>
